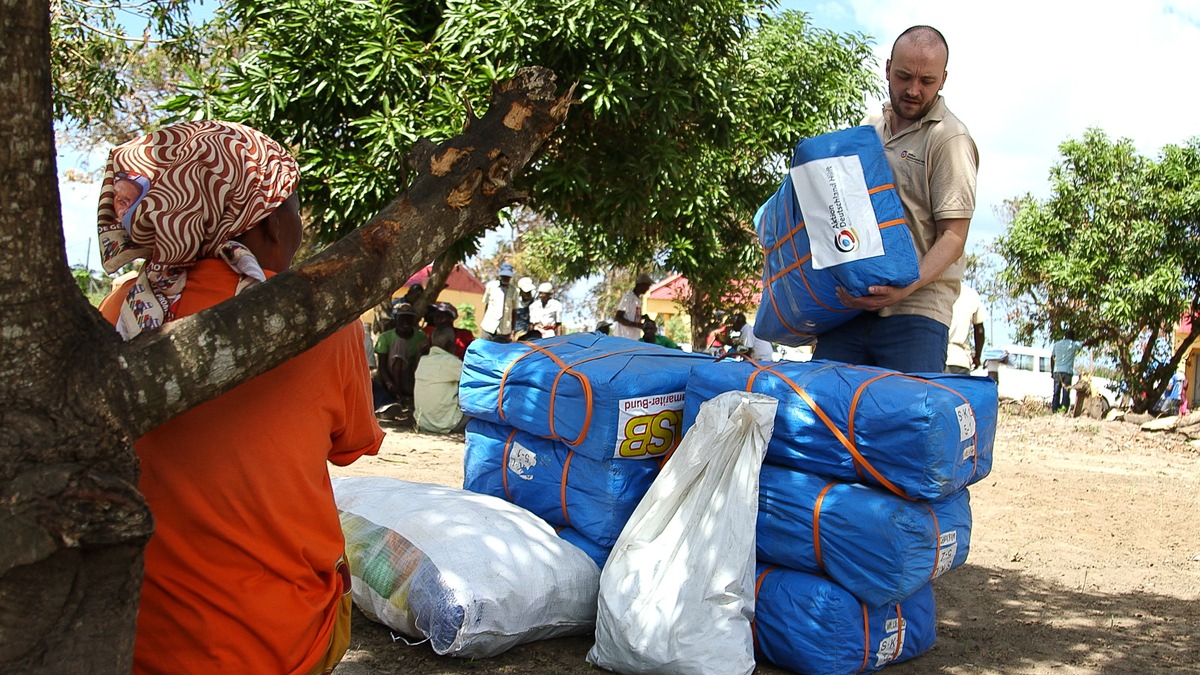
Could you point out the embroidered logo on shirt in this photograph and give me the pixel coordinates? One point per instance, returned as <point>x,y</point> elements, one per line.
<point>911,157</point>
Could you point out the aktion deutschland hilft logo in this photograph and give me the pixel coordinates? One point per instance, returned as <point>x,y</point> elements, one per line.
<point>846,240</point>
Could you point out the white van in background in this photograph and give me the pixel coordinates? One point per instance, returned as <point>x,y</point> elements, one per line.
<point>1025,373</point>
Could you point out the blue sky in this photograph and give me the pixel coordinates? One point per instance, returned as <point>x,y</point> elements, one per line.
<point>1024,76</point>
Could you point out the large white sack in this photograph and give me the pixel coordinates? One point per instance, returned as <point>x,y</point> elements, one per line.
<point>677,593</point>
<point>474,574</point>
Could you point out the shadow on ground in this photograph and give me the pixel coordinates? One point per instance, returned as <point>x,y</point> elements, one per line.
<point>989,621</point>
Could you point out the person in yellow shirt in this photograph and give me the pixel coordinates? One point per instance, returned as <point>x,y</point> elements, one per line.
<point>435,397</point>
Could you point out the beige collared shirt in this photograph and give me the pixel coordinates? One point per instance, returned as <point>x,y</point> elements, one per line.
<point>435,395</point>
<point>934,162</point>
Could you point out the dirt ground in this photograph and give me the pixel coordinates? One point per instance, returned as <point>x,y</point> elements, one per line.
<point>1085,558</point>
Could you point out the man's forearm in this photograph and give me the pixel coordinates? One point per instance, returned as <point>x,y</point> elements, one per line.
<point>949,247</point>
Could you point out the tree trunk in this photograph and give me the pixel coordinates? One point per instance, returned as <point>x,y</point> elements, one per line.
<point>439,274</point>
<point>73,397</point>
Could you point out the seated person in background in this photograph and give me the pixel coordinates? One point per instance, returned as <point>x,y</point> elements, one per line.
<point>604,327</point>
<point>435,398</point>
<point>749,343</point>
<point>398,351</point>
<point>444,314</point>
<point>650,334</point>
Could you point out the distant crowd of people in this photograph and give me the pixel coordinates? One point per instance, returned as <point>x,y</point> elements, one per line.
<point>421,366</point>
<point>512,312</point>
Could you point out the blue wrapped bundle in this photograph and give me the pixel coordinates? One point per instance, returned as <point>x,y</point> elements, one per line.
<point>599,554</point>
<point>835,221</point>
<point>810,625</point>
<point>917,436</point>
<point>604,397</point>
<point>874,544</point>
<point>561,486</point>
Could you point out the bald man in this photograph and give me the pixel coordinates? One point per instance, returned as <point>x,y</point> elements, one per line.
<point>934,161</point>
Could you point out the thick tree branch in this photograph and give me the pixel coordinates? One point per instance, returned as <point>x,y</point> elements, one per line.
<point>460,186</point>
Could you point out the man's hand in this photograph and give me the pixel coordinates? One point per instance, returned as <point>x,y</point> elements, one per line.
<point>877,298</point>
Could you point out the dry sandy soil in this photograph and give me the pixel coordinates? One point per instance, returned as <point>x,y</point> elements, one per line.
<point>1085,558</point>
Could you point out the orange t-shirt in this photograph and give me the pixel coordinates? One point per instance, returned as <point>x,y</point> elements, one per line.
<point>241,570</point>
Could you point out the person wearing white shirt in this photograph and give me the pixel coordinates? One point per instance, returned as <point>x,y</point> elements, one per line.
<point>758,348</point>
<point>499,306</point>
<point>627,322</point>
<point>966,321</point>
<point>545,314</point>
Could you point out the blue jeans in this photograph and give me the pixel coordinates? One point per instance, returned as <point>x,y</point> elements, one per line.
<point>1061,382</point>
<point>904,342</point>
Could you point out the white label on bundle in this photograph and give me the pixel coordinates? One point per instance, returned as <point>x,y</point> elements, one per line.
<point>521,458</point>
<point>891,646</point>
<point>966,421</point>
<point>649,426</point>
<point>838,216</point>
<point>947,549</point>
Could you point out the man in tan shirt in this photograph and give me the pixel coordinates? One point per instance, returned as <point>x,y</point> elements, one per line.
<point>934,161</point>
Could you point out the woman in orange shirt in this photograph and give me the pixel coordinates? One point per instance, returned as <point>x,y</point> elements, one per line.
<point>245,571</point>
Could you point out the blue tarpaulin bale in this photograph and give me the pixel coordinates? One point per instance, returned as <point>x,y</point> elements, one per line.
<point>874,544</point>
<point>836,220</point>
<point>602,396</point>
<point>810,625</point>
<point>919,436</point>
<point>561,486</point>
<point>599,554</point>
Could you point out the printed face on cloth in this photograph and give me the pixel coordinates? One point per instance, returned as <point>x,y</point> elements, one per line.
<point>201,185</point>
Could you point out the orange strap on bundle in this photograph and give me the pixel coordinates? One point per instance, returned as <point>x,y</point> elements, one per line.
<point>841,437</point>
<point>563,493</point>
<point>817,524</point>
<point>508,443</point>
<point>798,266</point>
<point>757,586</point>
<point>564,369</point>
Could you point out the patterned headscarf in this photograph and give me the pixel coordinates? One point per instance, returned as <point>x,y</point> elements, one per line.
<point>181,194</point>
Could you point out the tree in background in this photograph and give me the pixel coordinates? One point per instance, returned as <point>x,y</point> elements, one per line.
<point>698,185</point>
<point>685,111</point>
<point>74,397</point>
<point>1114,254</point>
<point>114,63</point>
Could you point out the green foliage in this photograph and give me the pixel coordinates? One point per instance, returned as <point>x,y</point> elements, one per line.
<point>93,285</point>
<point>685,110</point>
<point>1113,254</point>
<point>466,318</point>
<point>113,63</point>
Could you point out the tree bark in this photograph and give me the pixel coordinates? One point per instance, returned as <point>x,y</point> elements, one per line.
<point>439,274</point>
<point>73,397</point>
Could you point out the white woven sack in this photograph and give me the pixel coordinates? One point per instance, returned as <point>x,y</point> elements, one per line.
<point>472,573</point>
<point>677,593</point>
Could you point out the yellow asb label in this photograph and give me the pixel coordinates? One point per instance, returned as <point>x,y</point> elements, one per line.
<point>649,426</point>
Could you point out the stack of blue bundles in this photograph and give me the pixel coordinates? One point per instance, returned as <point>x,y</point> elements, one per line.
<point>573,428</point>
<point>862,504</point>
<point>575,494</point>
